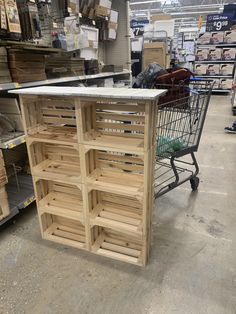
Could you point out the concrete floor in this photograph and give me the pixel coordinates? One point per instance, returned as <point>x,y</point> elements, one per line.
<point>192,269</point>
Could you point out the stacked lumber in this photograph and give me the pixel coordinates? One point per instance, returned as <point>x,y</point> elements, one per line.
<point>5,76</point>
<point>60,66</point>
<point>92,161</point>
<point>4,205</point>
<point>26,66</point>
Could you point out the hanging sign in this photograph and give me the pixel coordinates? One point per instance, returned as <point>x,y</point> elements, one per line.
<point>219,22</point>
<point>138,26</point>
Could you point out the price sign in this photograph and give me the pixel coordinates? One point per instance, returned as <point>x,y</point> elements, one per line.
<point>138,26</point>
<point>219,22</point>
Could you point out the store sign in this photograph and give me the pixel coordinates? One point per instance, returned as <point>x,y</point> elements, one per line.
<point>219,22</point>
<point>138,26</point>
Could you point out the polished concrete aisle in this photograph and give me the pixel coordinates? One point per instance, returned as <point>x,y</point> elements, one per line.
<point>192,269</point>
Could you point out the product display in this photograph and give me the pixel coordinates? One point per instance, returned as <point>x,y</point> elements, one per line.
<point>92,172</point>
<point>217,37</point>
<point>200,69</point>
<point>202,54</point>
<point>229,53</point>
<point>226,83</point>
<point>217,61</point>
<point>230,37</point>
<point>226,69</point>
<point>215,54</point>
<point>213,69</point>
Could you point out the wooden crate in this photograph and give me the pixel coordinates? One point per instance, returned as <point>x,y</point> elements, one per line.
<point>92,161</point>
<point>4,204</point>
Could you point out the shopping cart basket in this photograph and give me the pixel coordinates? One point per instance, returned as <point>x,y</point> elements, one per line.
<point>179,128</point>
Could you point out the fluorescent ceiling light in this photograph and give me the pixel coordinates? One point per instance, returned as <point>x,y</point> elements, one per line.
<point>195,12</point>
<point>144,2</point>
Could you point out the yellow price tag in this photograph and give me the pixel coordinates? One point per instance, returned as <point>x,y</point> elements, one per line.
<point>17,85</point>
<point>11,145</point>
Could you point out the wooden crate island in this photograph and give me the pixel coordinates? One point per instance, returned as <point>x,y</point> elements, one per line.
<point>91,153</point>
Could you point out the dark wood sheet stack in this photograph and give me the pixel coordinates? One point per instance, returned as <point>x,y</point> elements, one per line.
<point>60,66</point>
<point>26,66</point>
<point>5,76</point>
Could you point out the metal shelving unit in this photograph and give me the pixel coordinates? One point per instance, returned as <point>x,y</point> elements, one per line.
<point>221,45</point>
<point>18,139</point>
<point>214,76</point>
<point>9,86</point>
<point>215,61</point>
<point>22,194</point>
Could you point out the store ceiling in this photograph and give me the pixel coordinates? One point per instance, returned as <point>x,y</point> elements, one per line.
<point>177,8</point>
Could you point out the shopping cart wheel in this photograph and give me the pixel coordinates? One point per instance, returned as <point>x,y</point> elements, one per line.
<point>194,183</point>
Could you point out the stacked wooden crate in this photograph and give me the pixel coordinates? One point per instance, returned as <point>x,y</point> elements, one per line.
<point>91,153</point>
<point>5,76</point>
<point>26,66</point>
<point>4,205</point>
<point>60,66</point>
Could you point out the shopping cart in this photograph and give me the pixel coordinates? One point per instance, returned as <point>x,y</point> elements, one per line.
<point>181,116</point>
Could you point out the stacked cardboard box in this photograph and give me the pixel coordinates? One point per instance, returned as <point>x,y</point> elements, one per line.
<point>102,8</point>
<point>155,52</point>
<point>59,66</point>
<point>26,66</point>
<point>5,76</point>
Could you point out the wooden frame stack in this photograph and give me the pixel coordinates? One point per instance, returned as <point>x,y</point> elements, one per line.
<point>91,153</point>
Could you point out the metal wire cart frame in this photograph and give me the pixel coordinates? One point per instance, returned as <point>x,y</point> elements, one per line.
<point>181,116</point>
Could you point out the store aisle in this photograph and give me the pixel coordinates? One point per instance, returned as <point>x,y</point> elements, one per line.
<point>192,267</point>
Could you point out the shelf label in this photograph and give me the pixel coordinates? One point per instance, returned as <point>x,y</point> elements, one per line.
<point>29,201</point>
<point>11,145</point>
<point>219,22</point>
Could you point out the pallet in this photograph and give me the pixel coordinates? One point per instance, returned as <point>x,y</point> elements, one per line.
<point>92,161</point>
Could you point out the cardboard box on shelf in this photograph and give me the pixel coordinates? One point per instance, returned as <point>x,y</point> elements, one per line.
<point>215,54</point>
<point>204,39</point>
<point>160,17</point>
<point>154,52</point>
<point>226,83</point>
<point>202,54</point>
<point>200,69</point>
<point>102,8</point>
<point>229,53</point>
<point>226,69</point>
<point>216,83</point>
<point>213,69</point>
<point>217,38</point>
<point>230,37</point>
